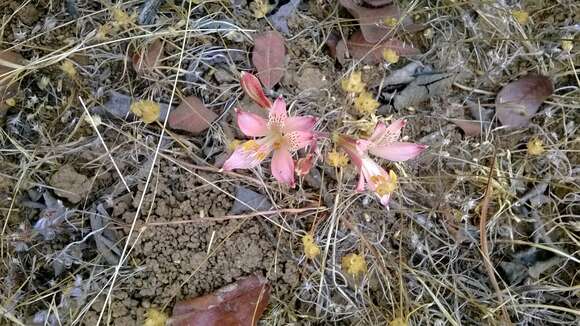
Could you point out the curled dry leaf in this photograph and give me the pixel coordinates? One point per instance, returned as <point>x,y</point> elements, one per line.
<point>518,101</point>
<point>191,115</point>
<point>240,303</point>
<point>372,20</point>
<point>471,128</point>
<point>9,62</point>
<point>269,58</point>
<point>358,48</point>
<point>378,3</point>
<point>148,59</point>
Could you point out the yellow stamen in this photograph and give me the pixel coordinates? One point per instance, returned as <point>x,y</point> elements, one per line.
<point>261,156</point>
<point>385,185</point>
<point>250,146</point>
<point>337,159</point>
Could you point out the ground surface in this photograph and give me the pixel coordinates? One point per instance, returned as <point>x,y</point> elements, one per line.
<point>67,210</point>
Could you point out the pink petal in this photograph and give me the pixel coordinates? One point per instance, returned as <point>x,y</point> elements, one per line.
<point>360,186</point>
<point>378,132</point>
<point>385,200</point>
<point>398,151</point>
<point>298,139</point>
<point>305,123</point>
<point>304,164</point>
<point>363,145</point>
<point>278,115</point>
<point>252,124</point>
<point>241,159</point>
<point>383,134</point>
<point>253,88</point>
<point>283,166</point>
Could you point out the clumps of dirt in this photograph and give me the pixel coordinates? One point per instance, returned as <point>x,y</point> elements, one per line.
<point>180,253</point>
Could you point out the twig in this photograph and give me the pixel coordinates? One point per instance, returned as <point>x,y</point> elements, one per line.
<point>241,216</point>
<point>483,238</point>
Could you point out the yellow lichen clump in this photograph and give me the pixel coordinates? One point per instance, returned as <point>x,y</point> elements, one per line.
<point>567,45</point>
<point>147,110</point>
<point>354,83</point>
<point>260,8</point>
<point>69,69</point>
<point>354,264</point>
<point>521,16</point>
<point>121,18</point>
<point>391,22</point>
<point>390,56</point>
<point>155,317</point>
<point>311,249</point>
<point>365,103</point>
<point>337,159</point>
<point>536,147</point>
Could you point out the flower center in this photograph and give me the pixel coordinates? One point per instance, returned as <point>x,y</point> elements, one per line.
<point>384,185</point>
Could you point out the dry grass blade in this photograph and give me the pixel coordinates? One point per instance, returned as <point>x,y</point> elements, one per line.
<point>483,239</point>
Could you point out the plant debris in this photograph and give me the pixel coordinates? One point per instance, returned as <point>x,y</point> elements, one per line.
<point>371,53</point>
<point>269,58</point>
<point>240,303</point>
<point>518,101</point>
<point>191,115</point>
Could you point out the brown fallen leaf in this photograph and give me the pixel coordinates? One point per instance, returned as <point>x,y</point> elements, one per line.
<point>378,3</point>
<point>471,128</point>
<point>148,59</point>
<point>518,101</point>
<point>359,48</point>
<point>9,61</point>
<point>372,20</point>
<point>191,115</point>
<point>237,304</point>
<point>269,58</point>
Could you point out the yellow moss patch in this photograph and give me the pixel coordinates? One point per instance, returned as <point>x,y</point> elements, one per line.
<point>521,16</point>
<point>365,103</point>
<point>390,56</point>
<point>354,83</point>
<point>147,110</point>
<point>155,317</point>
<point>536,147</point>
<point>311,249</point>
<point>354,264</point>
<point>69,69</point>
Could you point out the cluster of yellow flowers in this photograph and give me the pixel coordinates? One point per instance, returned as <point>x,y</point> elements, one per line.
<point>311,249</point>
<point>365,102</point>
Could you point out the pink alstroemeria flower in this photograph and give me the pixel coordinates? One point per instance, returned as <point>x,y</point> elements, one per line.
<point>252,87</point>
<point>281,134</point>
<point>384,142</point>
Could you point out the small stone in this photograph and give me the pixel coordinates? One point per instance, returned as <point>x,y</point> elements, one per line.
<point>70,184</point>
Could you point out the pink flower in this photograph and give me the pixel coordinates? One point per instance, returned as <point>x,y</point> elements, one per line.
<point>251,86</point>
<point>281,134</point>
<point>384,142</point>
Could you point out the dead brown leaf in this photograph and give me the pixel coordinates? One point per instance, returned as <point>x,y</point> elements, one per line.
<point>148,59</point>
<point>191,115</point>
<point>470,128</point>
<point>359,48</point>
<point>240,303</point>
<point>518,101</point>
<point>372,20</point>
<point>269,58</point>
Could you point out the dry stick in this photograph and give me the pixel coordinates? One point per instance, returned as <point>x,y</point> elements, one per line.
<point>236,217</point>
<point>483,238</point>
